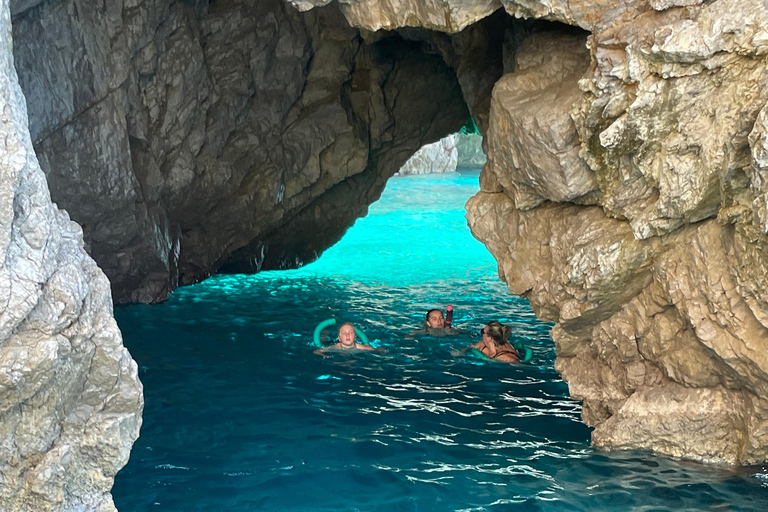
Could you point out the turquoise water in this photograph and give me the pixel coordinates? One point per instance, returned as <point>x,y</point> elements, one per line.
<point>240,415</point>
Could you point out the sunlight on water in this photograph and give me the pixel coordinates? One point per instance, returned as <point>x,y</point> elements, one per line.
<point>241,416</point>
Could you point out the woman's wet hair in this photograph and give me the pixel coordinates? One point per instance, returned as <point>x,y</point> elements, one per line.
<point>426,317</point>
<point>498,332</point>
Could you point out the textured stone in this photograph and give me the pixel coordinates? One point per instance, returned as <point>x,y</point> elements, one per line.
<point>657,289</point>
<point>438,157</point>
<point>70,398</point>
<point>446,16</point>
<point>185,137</point>
<point>454,15</point>
<point>667,118</point>
<point>532,137</point>
<point>469,147</point>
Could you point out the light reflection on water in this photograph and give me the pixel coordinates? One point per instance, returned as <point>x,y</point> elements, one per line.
<point>241,416</point>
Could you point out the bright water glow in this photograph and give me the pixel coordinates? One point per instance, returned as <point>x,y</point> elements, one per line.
<point>240,416</point>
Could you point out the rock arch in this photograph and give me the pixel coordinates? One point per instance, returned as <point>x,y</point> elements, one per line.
<point>624,193</point>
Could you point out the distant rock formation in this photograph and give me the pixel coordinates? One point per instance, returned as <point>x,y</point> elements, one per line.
<point>463,150</point>
<point>438,157</point>
<point>70,398</point>
<point>446,155</point>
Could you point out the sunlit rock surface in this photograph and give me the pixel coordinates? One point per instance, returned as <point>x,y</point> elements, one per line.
<point>439,157</point>
<point>70,398</point>
<point>634,216</point>
<point>443,15</point>
<point>463,150</point>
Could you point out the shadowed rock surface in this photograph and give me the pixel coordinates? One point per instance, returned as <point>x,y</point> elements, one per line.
<point>470,150</point>
<point>189,138</point>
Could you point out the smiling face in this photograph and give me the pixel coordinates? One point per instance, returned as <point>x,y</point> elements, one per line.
<point>347,335</point>
<point>435,319</point>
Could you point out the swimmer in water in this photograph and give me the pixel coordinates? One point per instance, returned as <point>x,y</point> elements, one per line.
<point>434,325</point>
<point>494,344</point>
<point>347,341</point>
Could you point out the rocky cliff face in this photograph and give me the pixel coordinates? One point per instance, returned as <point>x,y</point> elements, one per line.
<point>70,398</point>
<point>624,200</point>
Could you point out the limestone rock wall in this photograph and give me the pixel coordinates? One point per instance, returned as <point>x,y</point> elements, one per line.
<point>194,137</point>
<point>624,193</point>
<point>626,202</point>
<point>70,398</point>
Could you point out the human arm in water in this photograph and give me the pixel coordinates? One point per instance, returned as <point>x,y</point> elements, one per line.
<point>476,346</point>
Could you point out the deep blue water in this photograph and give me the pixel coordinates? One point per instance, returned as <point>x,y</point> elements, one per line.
<point>241,416</point>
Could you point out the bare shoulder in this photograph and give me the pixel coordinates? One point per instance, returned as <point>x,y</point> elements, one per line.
<point>508,357</point>
<point>360,346</point>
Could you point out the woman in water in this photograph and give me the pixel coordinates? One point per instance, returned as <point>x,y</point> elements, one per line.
<point>347,340</point>
<point>494,344</point>
<point>434,324</point>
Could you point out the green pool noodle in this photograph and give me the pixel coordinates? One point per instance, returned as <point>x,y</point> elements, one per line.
<point>322,325</point>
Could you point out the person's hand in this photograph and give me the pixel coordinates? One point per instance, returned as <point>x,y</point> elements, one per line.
<point>455,352</point>
<point>382,350</point>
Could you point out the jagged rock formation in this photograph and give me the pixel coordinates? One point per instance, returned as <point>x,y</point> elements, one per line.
<point>439,157</point>
<point>631,216</point>
<point>470,150</point>
<point>70,398</point>
<point>189,138</point>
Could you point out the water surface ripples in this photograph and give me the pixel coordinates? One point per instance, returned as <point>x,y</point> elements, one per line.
<point>241,416</point>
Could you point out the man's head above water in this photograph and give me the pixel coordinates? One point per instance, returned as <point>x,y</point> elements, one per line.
<point>435,319</point>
